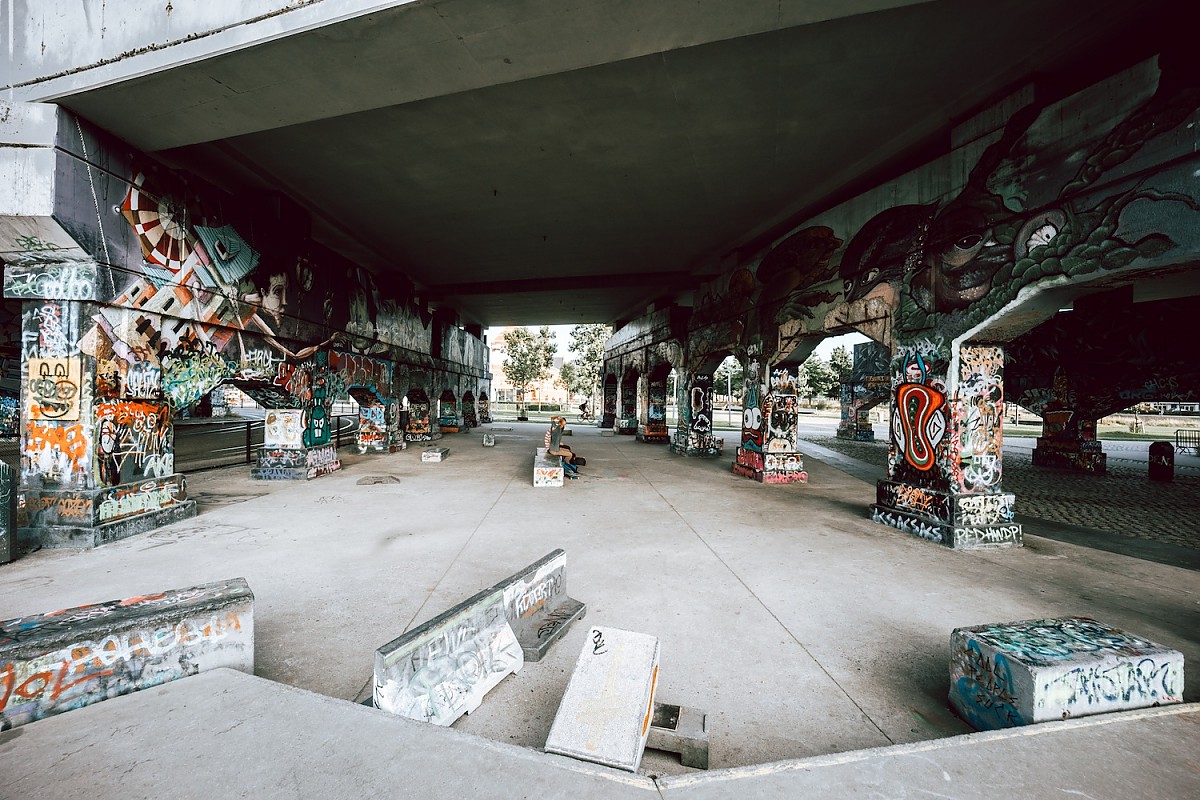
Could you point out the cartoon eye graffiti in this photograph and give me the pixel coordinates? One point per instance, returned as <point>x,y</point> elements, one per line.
<point>752,418</point>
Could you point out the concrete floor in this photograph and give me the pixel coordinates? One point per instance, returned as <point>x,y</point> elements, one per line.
<point>801,626</point>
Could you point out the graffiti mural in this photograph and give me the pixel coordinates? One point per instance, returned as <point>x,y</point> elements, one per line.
<point>372,428</point>
<point>52,391</point>
<point>470,419</point>
<point>134,440</point>
<point>753,424</point>
<point>655,430</point>
<point>979,414</point>
<point>420,428</point>
<point>920,417</point>
<point>284,429</point>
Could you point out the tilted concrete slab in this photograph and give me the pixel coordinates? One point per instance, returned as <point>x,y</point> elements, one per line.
<point>223,733</point>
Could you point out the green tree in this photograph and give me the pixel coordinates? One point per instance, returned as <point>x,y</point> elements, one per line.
<point>527,358</point>
<point>841,362</point>
<point>587,342</point>
<point>729,379</point>
<point>816,378</point>
<point>571,379</point>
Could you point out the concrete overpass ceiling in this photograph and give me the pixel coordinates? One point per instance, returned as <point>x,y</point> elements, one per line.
<point>600,181</point>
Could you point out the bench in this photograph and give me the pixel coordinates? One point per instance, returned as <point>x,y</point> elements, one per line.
<point>442,669</point>
<point>1188,439</point>
<point>547,469</point>
<point>68,659</point>
<point>435,454</point>
<point>604,716</point>
<point>1020,673</point>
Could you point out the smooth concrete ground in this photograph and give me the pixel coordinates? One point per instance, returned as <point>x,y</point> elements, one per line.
<point>801,626</point>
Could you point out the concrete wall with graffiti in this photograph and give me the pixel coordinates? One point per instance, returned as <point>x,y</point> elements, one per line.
<point>133,292</point>
<point>1042,201</point>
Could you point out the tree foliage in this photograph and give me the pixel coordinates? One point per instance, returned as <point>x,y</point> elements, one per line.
<point>528,356</point>
<point>729,378</point>
<point>587,342</point>
<point>841,362</point>
<point>816,379</point>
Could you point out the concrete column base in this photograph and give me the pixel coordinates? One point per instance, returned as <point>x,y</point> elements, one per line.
<point>49,517</point>
<point>770,467</point>
<point>956,520</point>
<point>654,433</point>
<point>51,536</point>
<point>1080,455</point>
<point>276,464</point>
<point>697,445</point>
<point>960,537</point>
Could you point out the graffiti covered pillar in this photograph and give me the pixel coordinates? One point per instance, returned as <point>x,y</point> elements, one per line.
<point>655,430</point>
<point>868,384</point>
<point>694,432</point>
<point>944,457</point>
<point>609,418</point>
<point>627,420</point>
<point>1068,440</point>
<point>447,418</point>
<point>782,462</point>
<point>97,444</point>
<point>469,416</point>
<point>420,428</point>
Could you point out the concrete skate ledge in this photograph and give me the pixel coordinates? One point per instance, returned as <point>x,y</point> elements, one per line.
<point>254,736</point>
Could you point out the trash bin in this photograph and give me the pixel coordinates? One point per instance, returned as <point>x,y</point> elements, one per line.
<point>1162,461</point>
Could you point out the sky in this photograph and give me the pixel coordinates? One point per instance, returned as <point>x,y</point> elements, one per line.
<point>562,334</point>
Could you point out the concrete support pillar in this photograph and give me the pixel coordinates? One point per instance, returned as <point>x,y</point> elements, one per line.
<point>694,432</point>
<point>298,437</point>
<point>420,426</point>
<point>858,397</point>
<point>627,402</point>
<point>470,415</point>
<point>485,408</point>
<point>1068,440</point>
<point>945,459</point>
<point>609,399</point>
<point>655,429</point>
<point>771,424</point>
<point>97,443</point>
<point>447,417</point>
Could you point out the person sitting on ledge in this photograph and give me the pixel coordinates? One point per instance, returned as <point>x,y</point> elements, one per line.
<point>555,447</point>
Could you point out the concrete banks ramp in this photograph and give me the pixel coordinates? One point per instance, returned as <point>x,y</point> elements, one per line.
<point>227,734</point>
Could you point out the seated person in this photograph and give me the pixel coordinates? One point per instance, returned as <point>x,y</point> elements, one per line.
<point>555,447</point>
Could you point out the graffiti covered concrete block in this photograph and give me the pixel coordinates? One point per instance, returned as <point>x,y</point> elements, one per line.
<point>604,716</point>
<point>435,454</point>
<point>489,440</point>
<point>63,660</point>
<point>537,605</point>
<point>442,669</point>
<point>1020,673</point>
<point>547,470</point>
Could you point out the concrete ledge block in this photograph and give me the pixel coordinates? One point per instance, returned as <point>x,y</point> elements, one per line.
<point>547,470</point>
<point>604,716</point>
<point>435,454</point>
<point>64,660</point>
<point>537,605</point>
<point>1018,673</point>
<point>442,669</point>
<point>489,440</point>
<point>682,730</point>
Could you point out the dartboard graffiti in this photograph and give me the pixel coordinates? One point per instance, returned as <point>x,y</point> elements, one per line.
<point>161,226</point>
